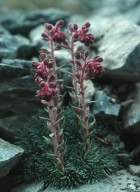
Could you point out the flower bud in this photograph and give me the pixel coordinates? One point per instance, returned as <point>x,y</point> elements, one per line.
<point>87,24</point>
<point>48,26</point>
<point>86,54</point>
<point>44,35</point>
<point>42,56</point>
<point>35,64</point>
<point>75,27</point>
<point>59,23</point>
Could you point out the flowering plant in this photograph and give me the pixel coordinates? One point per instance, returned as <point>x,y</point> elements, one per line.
<point>70,129</point>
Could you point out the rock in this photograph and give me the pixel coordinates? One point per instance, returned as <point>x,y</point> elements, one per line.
<point>15,68</point>
<point>133,14</point>
<point>110,8</point>
<point>34,187</point>
<point>120,49</point>
<point>26,21</point>
<point>36,38</point>
<point>9,45</point>
<point>134,169</point>
<point>98,23</point>
<point>131,135</point>
<point>131,118</point>
<point>3,30</point>
<point>17,96</point>
<point>104,104</point>
<point>132,113</point>
<point>120,181</point>
<point>9,156</point>
<point>27,52</point>
<point>138,183</point>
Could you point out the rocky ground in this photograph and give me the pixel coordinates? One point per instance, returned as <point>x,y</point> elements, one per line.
<point>115,25</point>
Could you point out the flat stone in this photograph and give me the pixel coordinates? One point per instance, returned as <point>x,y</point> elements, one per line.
<point>9,156</point>
<point>104,105</point>
<point>9,45</point>
<point>105,185</point>
<point>34,187</point>
<point>132,113</point>
<point>134,169</point>
<point>120,49</point>
<point>17,96</point>
<point>24,22</point>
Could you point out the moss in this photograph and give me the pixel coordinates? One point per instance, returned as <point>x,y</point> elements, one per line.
<point>80,168</point>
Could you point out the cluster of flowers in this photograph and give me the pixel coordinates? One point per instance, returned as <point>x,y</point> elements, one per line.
<point>82,69</point>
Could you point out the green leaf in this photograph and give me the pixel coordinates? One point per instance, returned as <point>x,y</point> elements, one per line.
<point>51,134</point>
<point>61,132</point>
<point>46,139</point>
<point>58,121</point>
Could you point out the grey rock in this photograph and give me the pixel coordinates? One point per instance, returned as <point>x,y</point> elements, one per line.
<point>104,104</point>
<point>133,14</point>
<point>131,119</point>
<point>98,23</point>
<point>36,38</point>
<point>34,187</point>
<point>26,21</point>
<point>111,8</point>
<point>9,45</point>
<point>3,30</point>
<point>17,96</point>
<point>120,181</point>
<point>11,125</point>
<point>132,113</point>
<point>13,68</point>
<point>134,169</point>
<point>131,136</point>
<point>9,156</point>
<point>120,49</point>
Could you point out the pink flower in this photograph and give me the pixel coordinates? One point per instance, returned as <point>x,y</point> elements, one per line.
<point>94,67</point>
<point>59,36</point>
<point>46,92</point>
<point>55,32</point>
<point>40,69</point>
<point>82,34</point>
<point>49,63</point>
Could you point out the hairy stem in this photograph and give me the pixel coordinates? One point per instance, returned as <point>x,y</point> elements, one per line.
<point>55,139</point>
<point>85,110</point>
<point>74,69</point>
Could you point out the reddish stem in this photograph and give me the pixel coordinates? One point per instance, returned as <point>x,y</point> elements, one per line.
<point>74,68</point>
<point>55,139</point>
<point>84,108</point>
<point>54,66</point>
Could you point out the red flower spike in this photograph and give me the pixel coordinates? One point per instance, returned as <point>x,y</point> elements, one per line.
<point>45,92</point>
<point>41,70</point>
<point>39,81</point>
<point>59,36</point>
<point>94,67</point>
<point>51,78</point>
